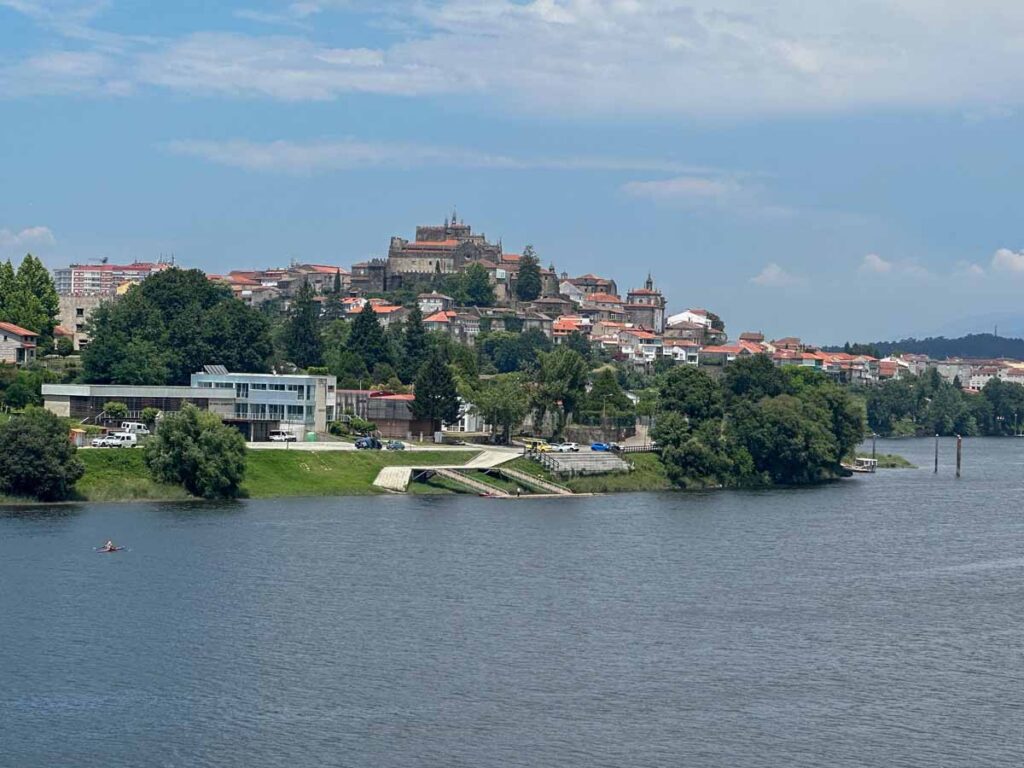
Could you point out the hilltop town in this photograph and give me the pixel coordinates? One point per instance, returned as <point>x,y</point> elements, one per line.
<point>436,270</point>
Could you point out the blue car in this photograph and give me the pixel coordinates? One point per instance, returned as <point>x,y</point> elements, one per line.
<point>600,447</point>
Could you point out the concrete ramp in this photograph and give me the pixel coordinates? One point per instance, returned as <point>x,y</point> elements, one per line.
<point>394,479</point>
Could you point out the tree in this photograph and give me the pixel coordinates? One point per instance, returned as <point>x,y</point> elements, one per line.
<point>528,283</point>
<point>476,286</point>
<point>788,439</point>
<point>149,416</point>
<point>561,384</point>
<point>690,392</point>
<point>8,285</point>
<point>606,396</point>
<point>367,338</point>
<point>168,327</point>
<point>414,345</point>
<point>753,377</point>
<point>302,338</point>
<point>237,337</point>
<point>195,449</point>
<point>334,309</point>
<point>64,347</point>
<point>33,279</point>
<point>577,342</point>
<point>502,402</point>
<point>36,457</point>
<point>115,410</point>
<point>437,397</point>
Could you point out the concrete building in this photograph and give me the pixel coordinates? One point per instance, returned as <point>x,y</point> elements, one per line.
<point>75,311</point>
<point>437,250</point>
<point>102,278</point>
<point>17,344</point>
<point>255,403</point>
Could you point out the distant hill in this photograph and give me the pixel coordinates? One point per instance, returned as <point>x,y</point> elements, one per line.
<point>984,345</point>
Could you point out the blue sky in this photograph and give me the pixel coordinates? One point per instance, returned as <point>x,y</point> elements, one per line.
<point>827,172</point>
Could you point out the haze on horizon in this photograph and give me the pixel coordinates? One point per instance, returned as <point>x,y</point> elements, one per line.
<point>830,172</point>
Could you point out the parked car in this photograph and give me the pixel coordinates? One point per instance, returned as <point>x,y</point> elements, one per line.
<point>135,427</point>
<point>395,445</point>
<point>122,440</point>
<point>100,442</point>
<point>600,447</point>
<point>282,436</point>
<point>614,447</point>
<point>368,444</point>
<point>565,448</point>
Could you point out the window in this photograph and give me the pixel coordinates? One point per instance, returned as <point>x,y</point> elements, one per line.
<point>258,386</point>
<point>79,311</point>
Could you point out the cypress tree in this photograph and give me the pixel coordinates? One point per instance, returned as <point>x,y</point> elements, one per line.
<point>303,332</point>
<point>414,344</point>
<point>528,284</point>
<point>437,397</point>
<point>367,338</point>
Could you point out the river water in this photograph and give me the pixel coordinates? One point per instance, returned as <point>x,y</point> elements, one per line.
<point>878,621</point>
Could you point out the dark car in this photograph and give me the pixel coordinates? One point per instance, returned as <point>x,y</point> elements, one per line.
<point>368,444</point>
<point>395,445</point>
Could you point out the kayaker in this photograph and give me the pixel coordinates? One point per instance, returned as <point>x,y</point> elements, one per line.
<point>109,546</point>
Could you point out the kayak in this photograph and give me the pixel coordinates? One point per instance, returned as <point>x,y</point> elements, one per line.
<point>104,550</point>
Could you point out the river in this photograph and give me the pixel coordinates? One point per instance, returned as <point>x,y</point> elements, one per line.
<point>878,621</point>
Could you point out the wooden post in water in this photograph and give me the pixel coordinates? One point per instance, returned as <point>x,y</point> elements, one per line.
<point>873,436</point>
<point>936,453</point>
<point>959,452</point>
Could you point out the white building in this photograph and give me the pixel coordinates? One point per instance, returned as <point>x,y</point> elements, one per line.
<point>17,344</point>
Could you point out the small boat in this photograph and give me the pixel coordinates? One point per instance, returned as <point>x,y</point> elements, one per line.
<point>862,465</point>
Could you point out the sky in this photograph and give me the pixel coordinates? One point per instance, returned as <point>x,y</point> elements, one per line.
<point>828,170</point>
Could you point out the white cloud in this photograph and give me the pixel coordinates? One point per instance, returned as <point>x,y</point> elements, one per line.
<point>685,188</point>
<point>697,58</point>
<point>348,153</point>
<point>774,276</point>
<point>30,237</point>
<point>875,264</point>
<point>969,269</point>
<point>1005,260</point>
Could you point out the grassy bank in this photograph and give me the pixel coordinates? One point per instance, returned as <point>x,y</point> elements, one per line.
<point>648,475</point>
<point>121,475</point>
<point>893,461</point>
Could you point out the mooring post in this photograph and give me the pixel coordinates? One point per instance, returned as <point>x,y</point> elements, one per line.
<point>873,437</point>
<point>936,453</point>
<point>959,452</point>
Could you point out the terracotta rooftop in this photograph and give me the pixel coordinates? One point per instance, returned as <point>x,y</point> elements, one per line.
<point>17,329</point>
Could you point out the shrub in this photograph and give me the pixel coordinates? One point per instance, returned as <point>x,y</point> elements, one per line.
<point>195,449</point>
<point>36,458</point>
<point>115,410</point>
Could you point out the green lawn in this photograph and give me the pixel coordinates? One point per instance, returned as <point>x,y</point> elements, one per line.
<point>648,475</point>
<point>121,475</point>
<point>331,473</point>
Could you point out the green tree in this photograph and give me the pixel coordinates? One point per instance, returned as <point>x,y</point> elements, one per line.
<point>528,283</point>
<point>577,342</point>
<point>414,345</point>
<point>690,392</point>
<point>64,347</point>
<point>22,392</point>
<point>168,327</point>
<point>606,396</point>
<point>194,449</point>
<point>753,377</point>
<point>302,337</point>
<point>33,279</point>
<point>8,286</point>
<point>115,410</point>
<point>367,338</point>
<point>503,403</point>
<point>36,457</point>
<point>149,416</point>
<point>437,397</point>
<point>334,309</point>
<point>237,337</point>
<point>476,286</point>
<point>561,385</point>
<point>788,439</point>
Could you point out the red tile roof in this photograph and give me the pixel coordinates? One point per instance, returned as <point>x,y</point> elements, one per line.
<point>440,317</point>
<point>17,329</point>
<point>603,298</point>
<point>428,244</point>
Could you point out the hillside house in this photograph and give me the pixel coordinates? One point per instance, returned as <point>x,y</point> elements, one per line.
<point>17,344</point>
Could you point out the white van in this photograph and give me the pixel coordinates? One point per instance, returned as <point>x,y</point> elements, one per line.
<point>134,427</point>
<point>122,440</point>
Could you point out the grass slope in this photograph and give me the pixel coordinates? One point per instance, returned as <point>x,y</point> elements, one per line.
<point>331,473</point>
<point>648,475</point>
<point>121,475</point>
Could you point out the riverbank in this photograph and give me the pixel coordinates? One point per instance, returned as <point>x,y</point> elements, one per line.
<point>121,475</point>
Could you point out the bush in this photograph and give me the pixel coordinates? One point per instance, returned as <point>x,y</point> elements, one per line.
<point>149,416</point>
<point>195,449</point>
<point>115,411</point>
<point>361,426</point>
<point>64,347</point>
<point>36,458</point>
